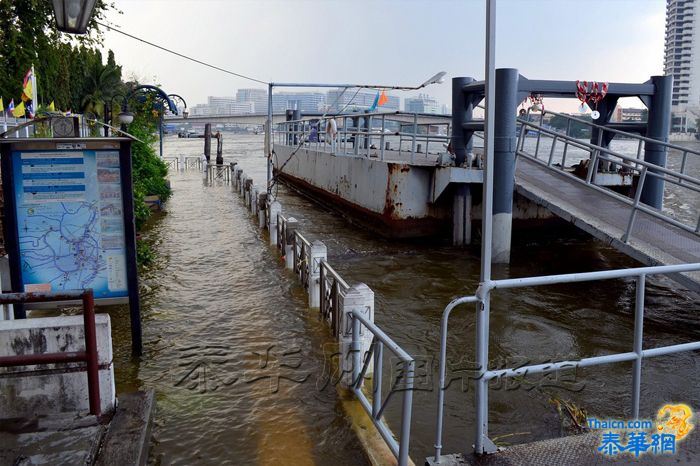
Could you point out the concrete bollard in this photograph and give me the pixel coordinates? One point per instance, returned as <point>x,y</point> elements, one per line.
<point>318,253</point>
<point>182,163</point>
<point>387,145</point>
<point>246,190</point>
<point>262,204</point>
<point>239,174</point>
<point>419,148</point>
<point>240,186</point>
<point>274,209</point>
<point>359,297</point>
<point>291,228</point>
<point>254,200</point>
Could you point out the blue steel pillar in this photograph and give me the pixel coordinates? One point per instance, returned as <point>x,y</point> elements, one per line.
<point>461,141</point>
<point>506,104</point>
<point>658,126</point>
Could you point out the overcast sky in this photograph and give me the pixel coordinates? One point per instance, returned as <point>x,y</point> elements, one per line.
<point>384,41</point>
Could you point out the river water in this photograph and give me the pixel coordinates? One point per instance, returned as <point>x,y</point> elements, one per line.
<point>239,363</point>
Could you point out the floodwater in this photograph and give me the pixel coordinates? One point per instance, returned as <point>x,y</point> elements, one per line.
<point>239,365</point>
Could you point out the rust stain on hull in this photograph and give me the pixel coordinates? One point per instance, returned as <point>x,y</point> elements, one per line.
<point>388,224</point>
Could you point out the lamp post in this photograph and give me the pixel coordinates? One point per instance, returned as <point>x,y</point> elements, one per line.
<point>185,114</point>
<point>73,16</point>
<point>126,117</point>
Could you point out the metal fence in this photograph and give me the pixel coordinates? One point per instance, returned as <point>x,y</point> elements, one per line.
<point>89,356</point>
<point>332,288</point>
<point>482,299</point>
<point>373,137</point>
<point>603,158</point>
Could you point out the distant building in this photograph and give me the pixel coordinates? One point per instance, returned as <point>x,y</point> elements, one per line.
<point>304,101</point>
<point>222,106</point>
<point>629,114</point>
<point>351,100</point>
<point>257,96</point>
<point>682,61</point>
<point>422,104</point>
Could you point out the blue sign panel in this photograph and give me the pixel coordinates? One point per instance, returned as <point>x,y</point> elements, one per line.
<point>70,221</point>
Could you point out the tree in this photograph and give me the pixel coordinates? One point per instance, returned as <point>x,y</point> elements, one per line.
<point>101,84</point>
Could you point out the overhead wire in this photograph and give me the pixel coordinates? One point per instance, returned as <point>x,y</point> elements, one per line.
<point>181,55</point>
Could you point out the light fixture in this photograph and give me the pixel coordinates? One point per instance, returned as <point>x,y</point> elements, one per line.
<point>439,78</point>
<point>73,16</point>
<point>126,117</point>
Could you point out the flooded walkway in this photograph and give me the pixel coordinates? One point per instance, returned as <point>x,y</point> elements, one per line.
<point>237,359</point>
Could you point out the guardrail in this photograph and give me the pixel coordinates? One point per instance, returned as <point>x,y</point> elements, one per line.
<point>348,310</point>
<point>355,138</point>
<point>89,356</point>
<point>628,165</point>
<point>482,444</point>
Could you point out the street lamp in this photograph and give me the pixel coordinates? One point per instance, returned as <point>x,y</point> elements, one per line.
<point>73,16</point>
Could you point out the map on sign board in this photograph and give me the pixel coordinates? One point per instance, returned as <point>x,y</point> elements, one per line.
<point>70,221</point>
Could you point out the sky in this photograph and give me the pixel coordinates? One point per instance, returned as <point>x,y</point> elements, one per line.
<point>388,42</point>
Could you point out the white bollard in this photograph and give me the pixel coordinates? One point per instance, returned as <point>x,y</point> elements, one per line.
<point>359,297</point>
<point>273,210</point>
<point>289,243</point>
<point>318,253</point>
<point>182,162</point>
<point>262,204</point>
<point>254,200</point>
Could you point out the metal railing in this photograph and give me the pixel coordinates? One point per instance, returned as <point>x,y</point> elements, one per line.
<point>628,165</point>
<point>375,408</point>
<point>302,258</point>
<point>333,287</point>
<point>172,162</point>
<point>482,299</point>
<point>362,139</point>
<point>89,356</point>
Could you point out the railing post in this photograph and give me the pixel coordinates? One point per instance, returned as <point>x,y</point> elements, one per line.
<point>633,214</point>
<point>274,209</point>
<point>317,254</point>
<point>253,200</point>
<point>381,138</point>
<point>413,139</point>
<point>359,297</point>
<point>638,339</point>
<point>91,352</point>
<point>289,248</point>
<point>377,379</point>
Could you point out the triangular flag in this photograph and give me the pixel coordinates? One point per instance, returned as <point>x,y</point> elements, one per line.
<point>383,99</point>
<point>2,106</point>
<point>19,110</point>
<point>51,107</point>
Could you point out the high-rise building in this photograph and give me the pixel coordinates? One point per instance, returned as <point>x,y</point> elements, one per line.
<point>422,104</point>
<point>304,101</point>
<point>257,96</point>
<point>348,100</point>
<point>682,61</point>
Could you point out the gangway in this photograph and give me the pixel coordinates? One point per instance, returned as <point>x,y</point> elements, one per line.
<point>650,235</point>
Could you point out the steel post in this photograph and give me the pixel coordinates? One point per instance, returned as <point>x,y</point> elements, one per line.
<point>658,126</point>
<point>317,254</point>
<point>274,209</point>
<point>505,144</point>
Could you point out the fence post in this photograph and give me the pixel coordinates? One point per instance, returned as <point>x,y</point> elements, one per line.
<point>262,205</point>
<point>292,226</point>
<point>246,190</point>
<point>254,200</point>
<point>360,297</point>
<point>317,254</point>
<point>274,209</point>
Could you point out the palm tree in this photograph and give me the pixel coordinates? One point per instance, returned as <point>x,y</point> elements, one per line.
<point>102,83</point>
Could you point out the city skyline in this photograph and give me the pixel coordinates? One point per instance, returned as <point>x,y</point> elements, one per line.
<point>625,43</point>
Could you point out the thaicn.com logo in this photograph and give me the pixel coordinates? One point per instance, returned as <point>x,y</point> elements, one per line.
<point>643,436</point>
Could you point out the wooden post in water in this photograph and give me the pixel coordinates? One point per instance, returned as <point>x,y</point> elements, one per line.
<point>219,148</point>
<point>207,142</point>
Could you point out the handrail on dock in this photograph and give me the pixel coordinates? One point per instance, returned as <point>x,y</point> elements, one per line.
<point>602,157</point>
<point>481,298</point>
<point>89,356</point>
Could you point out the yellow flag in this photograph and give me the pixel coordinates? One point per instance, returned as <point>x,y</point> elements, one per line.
<point>27,91</point>
<point>19,110</point>
<point>51,107</point>
<point>2,105</point>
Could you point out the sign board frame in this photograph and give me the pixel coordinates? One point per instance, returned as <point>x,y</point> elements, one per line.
<point>10,224</point>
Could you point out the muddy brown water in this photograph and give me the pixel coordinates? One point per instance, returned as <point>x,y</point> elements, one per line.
<point>240,365</point>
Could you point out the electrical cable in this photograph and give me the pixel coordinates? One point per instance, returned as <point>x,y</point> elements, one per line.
<point>112,28</point>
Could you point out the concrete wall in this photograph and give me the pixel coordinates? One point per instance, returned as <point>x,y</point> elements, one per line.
<point>52,388</point>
